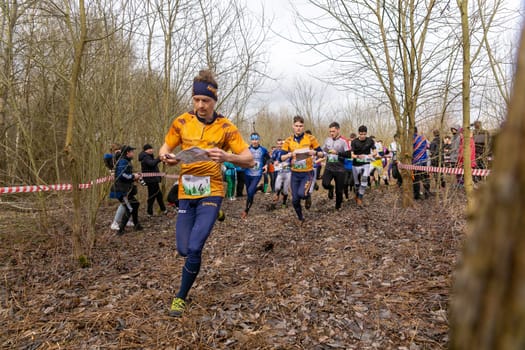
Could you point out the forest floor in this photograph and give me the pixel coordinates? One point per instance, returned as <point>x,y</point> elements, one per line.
<point>376,277</point>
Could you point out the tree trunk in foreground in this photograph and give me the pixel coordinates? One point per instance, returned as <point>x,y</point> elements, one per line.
<point>488,299</point>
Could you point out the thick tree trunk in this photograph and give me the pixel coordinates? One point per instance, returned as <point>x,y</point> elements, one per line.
<point>488,302</point>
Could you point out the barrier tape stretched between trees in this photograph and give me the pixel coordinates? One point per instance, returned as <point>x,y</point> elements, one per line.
<point>68,187</point>
<point>435,169</point>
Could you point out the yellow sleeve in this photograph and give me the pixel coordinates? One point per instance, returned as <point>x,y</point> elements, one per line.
<point>286,145</point>
<point>173,137</point>
<point>235,142</point>
<point>313,141</point>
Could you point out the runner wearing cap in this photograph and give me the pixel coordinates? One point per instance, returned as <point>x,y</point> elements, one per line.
<point>125,190</point>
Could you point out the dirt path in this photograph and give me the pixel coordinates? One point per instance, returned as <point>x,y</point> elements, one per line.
<point>370,278</point>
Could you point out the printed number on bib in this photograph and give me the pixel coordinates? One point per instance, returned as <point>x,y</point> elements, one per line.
<point>196,185</point>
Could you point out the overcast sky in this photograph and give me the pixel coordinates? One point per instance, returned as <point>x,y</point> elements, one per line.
<point>287,60</point>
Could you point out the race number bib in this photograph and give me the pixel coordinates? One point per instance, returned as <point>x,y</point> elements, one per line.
<point>332,158</point>
<point>299,164</point>
<point>363,160</point>
<point>196,185</point>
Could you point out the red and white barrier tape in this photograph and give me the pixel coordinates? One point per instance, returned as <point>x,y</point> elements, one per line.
<point>69,187</point>
<point>434,169</point>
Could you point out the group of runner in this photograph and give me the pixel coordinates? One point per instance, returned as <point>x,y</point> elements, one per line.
<point>295,160</point>
<point>201,185</point>
<point>354,163</point>
<point>297,163</point>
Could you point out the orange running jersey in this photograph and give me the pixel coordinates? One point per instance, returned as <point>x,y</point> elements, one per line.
<point>188,131</point>
<point>308,142</point>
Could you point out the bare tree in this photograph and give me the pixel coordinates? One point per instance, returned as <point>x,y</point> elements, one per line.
<point>399,53</point>
<point>465,45</point>
<point>231,43</point>
<point>73,80</point>
<point>376,118</point>
<point>272,125</point>
<point>234,44</point>
<point>500,58</point>
<point>487,303</point>
<point>8,24</point>
<point>91,94</point>
<point>476,28</point>
<point>309,99</point>
<point>11,14</point>
<point>382,52</point>
<point>168,12</point>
